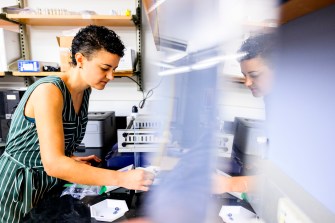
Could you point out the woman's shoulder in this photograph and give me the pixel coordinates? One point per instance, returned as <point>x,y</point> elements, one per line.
<point>49,79</point>
<point>56,80</point>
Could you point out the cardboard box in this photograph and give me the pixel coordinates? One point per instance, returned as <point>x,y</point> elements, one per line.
<point>127,62</point>
<point>64,43</point>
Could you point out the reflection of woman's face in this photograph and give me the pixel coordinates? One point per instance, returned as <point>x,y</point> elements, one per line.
<point>258,76</point>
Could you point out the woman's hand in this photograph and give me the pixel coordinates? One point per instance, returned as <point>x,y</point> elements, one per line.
<point>220,184</point>
<point>138,179</point>
<point>87,159</point>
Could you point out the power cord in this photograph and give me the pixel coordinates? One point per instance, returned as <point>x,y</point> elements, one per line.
<point>134,81</point>
<point>149,93</point>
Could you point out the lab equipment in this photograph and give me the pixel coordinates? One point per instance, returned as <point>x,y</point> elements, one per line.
<point>36,66</point>
<point>250,144</point>
<point>9,99</point>
<point>28,66</point>
<point>100,134</point>
<point>142,135</point>
<point>250,137</point>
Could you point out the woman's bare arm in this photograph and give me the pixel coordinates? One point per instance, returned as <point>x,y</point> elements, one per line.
<point>45,105</point>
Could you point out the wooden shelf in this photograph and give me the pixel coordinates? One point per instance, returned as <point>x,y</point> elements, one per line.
<point>235,79</point>
<point>294,9</point>
<point>8,25</point>
<point>43,74</point>
<point>32,74</point>
<point>2,74</point>
<point>72,20</point>
<point>128,73</point>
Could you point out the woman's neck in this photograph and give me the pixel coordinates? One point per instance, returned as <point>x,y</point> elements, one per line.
<point>74,82</point>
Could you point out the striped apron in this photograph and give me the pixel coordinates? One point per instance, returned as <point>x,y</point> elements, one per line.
<point>23,181</point>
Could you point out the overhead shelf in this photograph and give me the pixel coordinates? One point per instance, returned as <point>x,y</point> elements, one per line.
<point>8,25</point>
<point>43,74</point>
<point>294,9</point>
<point>291,10</point>
<point>72,20</point>
<point>33,74</point>
<point>129,73</point>
<point>235,79</point>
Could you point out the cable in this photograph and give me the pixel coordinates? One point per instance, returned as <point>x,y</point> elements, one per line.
<point>134,81</point>
<point>148,95</point>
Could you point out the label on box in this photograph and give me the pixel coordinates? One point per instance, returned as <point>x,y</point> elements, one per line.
<point>28,66</point>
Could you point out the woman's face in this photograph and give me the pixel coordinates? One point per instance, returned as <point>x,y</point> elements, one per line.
<point>98,71</point>
<point>258,76</point>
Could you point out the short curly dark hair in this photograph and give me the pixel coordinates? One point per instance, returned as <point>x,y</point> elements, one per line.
<point>94,38</point>
<point>262,45</point>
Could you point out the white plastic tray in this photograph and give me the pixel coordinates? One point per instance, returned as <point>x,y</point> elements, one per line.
<point>231,214</point>
<point>108,210</point>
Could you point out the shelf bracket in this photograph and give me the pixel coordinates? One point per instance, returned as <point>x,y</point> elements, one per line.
<point>138,22</point>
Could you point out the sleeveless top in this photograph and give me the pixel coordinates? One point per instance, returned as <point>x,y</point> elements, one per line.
<point>23,181</point>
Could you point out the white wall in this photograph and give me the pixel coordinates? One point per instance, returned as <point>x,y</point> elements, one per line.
<point>236,100</point>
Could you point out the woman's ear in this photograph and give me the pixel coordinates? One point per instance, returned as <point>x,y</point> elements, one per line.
<point>79,58</point>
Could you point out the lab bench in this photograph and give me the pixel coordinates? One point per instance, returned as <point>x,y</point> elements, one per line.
<point>68,209</point>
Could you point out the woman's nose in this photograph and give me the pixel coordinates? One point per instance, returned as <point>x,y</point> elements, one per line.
<point>110,75</point>
<point>247,81</point>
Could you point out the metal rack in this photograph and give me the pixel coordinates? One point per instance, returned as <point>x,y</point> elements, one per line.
<point>23,21</point>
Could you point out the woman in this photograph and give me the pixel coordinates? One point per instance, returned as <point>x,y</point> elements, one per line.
<point>257,63</point>
<point>257,67</point>
<point>49,123</point>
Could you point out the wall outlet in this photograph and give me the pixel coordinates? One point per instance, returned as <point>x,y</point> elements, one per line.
<point>225,145</point>
<point>288,212</point>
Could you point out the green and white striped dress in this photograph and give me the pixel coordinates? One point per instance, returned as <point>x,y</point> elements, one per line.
<point>23,181</point>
